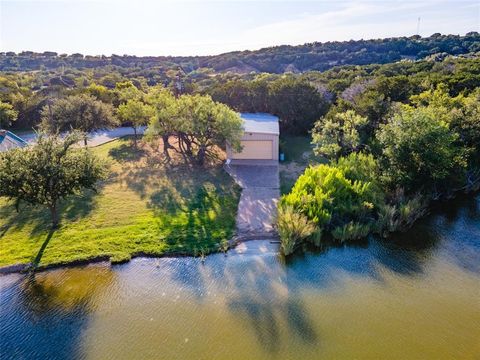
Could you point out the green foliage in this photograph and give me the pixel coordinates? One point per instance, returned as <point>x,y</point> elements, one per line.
<point>359,167</point>
<point>78,112</point>
<point>165,119</point>
<point>460,113</point>
<point>292,227</point>
<point>136,113</point>
<point>419,151</point>
<point>297,103</point>
<point>327,198</point>
<point>400,216</point>
<point>198,123</point>
<point>373,105</point>
<point>100,92</point>
<point>411,210</point>
<point>126,90</point>
<point>351,231</point>
<point>207,124</point>
<point>347,201</point>
<point>7,115</point>
<point>311,56</point>
<point>48,171</point>
<point>337,134</point>
<point>388,220</point>
<point>465,121</point>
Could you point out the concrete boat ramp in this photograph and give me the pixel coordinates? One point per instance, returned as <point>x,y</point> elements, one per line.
<point>257,209</point>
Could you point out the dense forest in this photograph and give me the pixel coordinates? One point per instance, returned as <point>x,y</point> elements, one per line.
<point>279,59</point>
<point>298,99</point>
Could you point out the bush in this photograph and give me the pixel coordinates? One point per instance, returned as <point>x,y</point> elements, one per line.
<point>339,199</point>
<point>292,227</point>
<point>325,196</point>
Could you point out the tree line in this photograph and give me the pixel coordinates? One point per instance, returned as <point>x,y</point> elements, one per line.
<point>279,59</point>
<point>298,99</point>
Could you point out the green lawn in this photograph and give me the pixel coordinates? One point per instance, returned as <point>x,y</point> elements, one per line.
<point>145,207</point>
<point>296,148</point>
<point>298,155</point>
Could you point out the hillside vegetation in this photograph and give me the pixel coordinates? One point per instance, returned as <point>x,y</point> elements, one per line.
<point>279,59</point>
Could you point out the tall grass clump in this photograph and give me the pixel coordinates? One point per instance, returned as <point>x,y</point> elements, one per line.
<point>401,215</point>
<point>351,231</point>
<point>411,210</point>
<point>292,227</point>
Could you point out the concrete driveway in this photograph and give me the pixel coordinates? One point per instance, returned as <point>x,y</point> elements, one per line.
<point>260,193</point>
<point>95,138</point>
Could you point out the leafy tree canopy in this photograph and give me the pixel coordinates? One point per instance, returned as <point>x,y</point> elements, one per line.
<point>338,134</point>
<point>419,150</point>
<point>48,171</point>
<point>7,114</point>
<point>78,112</point>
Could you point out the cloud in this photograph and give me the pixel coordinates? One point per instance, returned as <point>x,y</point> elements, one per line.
<point>167,27</point>
<point>363,19</point>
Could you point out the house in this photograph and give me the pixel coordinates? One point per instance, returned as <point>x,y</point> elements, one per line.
<point>260,140</point>
<point>9,140</point>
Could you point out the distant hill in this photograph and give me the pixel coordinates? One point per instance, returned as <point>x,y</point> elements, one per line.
<point>278,59</point>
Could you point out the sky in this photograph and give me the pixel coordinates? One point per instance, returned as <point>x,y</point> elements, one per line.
<point>194,27</point>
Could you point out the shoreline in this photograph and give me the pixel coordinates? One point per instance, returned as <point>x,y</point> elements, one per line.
<point>236,240</point>
<point>26,268</point>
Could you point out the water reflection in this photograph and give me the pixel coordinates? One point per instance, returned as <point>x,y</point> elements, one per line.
<point>416,293</point>
<point>46,312</point>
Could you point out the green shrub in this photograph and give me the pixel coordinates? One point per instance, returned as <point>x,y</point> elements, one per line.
<point>326,197</point>
<point>292,227</point>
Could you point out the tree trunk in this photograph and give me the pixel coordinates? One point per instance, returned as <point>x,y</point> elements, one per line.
<point>85,139</point>
<point>54,215</point>
<point>201,155</point>
<point>166,146</point>
<point>135,137</point>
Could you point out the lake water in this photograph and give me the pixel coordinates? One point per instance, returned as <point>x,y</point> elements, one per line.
<point>376,300</point>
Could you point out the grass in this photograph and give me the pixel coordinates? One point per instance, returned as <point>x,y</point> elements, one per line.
<point>146,207</point>
<point>297,148</point>
<point>298,155</point>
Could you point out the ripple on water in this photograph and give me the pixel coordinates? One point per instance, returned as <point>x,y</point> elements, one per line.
<point>414,296</point>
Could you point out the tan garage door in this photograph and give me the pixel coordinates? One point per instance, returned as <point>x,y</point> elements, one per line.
<point>256,149</point>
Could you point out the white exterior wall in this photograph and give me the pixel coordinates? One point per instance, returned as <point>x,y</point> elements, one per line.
<point>259,137</point>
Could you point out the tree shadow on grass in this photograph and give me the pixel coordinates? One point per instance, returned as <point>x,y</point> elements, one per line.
<point>125,153</point>
<point>38,217</point>
<point>39,256</point>
<point>199,205</point>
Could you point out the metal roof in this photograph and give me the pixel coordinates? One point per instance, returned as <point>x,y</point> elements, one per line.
<point>260,123</point>
<point>9,140</point>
